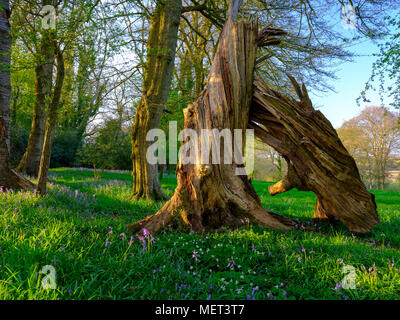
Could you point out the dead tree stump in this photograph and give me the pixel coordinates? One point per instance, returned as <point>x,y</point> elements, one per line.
<point>213,195</point>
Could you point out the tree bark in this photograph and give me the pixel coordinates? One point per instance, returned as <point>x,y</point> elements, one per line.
<point>317,159</point>
<point>9,179</point>
<point>161,51</point>
<point>50,124</point>
<point>213,195</point>
<point>30,161</point>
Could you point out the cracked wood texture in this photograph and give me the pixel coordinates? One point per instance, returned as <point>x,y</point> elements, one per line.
<point>317,159</point>
<point>213,196</point>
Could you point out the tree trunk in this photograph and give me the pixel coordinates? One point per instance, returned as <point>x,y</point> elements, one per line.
<point>213,195</point>
<point>161,51</point>
<point>50,124</point>
<point>8,178</point>
<point>317,159</point>
<point>30,161</point>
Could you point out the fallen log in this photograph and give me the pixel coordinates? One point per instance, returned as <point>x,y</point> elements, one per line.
<point>317,159</point>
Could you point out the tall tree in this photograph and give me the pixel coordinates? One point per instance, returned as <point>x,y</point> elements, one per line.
<point>50,123</point>
<point>69,22</point>
<point>161,50</point>
<point>44,58</point>
<point>86,83</point>
<point>8,177</point>
<point>64,37</point>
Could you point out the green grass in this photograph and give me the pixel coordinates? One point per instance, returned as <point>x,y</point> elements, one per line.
<point>79,228</point>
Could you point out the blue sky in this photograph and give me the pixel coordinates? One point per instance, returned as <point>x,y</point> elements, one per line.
<point>351,78</point>
<point>341,105</point>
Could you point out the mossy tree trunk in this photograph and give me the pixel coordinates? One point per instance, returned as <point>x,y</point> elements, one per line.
<point>161,50</point>
<point>8,178</point>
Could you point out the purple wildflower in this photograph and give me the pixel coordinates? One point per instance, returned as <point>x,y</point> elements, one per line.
<point>107,243</point>
<point>231,263</point>
<point>147,237</point>
<point>254,290</point>
<point>195,256</point>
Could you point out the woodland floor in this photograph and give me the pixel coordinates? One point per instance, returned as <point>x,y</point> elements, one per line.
<point>79,229</point>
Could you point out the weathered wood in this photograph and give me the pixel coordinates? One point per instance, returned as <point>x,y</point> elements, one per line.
<point>318,161</point>
<point>291,181</point>
<point>212,195</point>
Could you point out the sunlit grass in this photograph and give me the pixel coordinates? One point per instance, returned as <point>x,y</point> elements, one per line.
<point>79,228</point>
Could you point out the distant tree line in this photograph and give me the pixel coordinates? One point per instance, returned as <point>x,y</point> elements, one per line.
<point>373,139</point>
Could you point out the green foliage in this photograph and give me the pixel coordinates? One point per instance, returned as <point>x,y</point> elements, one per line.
<point>387,65</point>
<point>18,140</point>
<point>79,228</point>
<point>63,152</point>
<point>22,87</point>
<point>110,148</point>
<point>174,112</point>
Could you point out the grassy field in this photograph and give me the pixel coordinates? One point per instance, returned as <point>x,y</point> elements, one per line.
<point>79,229</point>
